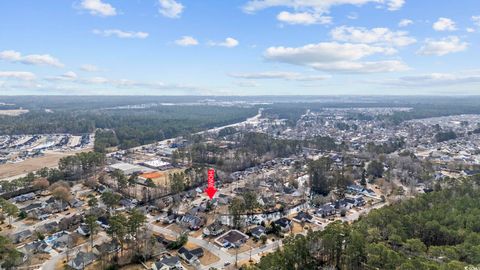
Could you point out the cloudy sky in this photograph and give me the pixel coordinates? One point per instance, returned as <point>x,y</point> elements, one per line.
<point>240,47</point>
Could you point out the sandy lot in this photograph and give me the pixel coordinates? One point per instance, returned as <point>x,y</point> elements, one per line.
<point>12,112</point>
<point>33,164</point>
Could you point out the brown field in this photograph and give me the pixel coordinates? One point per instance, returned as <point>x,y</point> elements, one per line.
<point>13,112</point>
<point>33,164</point>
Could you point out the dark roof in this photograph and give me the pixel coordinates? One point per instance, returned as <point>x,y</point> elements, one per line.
<point>32,206</point>
<point>258,230</point>
<point>327,208</point>
<point>163,240</point>
<point>107,247</point>
<point>283,222</point>
<point>197,252</point>
<point>186,253</point>
<point>103,220</point>
<point>83,258</point>
<point>169,261</point>
<point>349,200</point>
<point>234,237</point>
<point>303,216</point>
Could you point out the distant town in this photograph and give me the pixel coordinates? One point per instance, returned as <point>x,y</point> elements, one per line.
<point>145,207</point>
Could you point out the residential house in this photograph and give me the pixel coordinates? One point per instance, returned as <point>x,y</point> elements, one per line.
<point>303,217</point>
<point>169,219</point>
<point>198,252</point>
<point>162,240</point>
<point>31,207</point>
<point>186,255</point>
<point>81,260</point>
<point>167,263</point>
<point>106,248</point>
<point>192,222</point>
<point>102,189</point>
<point>358,201</point>
<point>21,236</point>
<point>63,242</point>
<point>103,222</point>
<point>75,203</point>
<point>326,210</point>
<point>214,229</point>
<point>355,188</point>
<point>232,239</point>
<point>258,232</point>
<point>37,247</point>
<point>369,192</point>
<point>70,222</point>
<point>83,230</point>
<point>24,197</point>
<point>283,223</point>
<point>49,228</point>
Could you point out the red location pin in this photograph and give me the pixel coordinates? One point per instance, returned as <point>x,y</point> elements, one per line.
<point>211,190</point>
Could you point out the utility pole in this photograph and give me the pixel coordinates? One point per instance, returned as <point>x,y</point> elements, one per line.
<point>250,260</point>
<point>236,256</point>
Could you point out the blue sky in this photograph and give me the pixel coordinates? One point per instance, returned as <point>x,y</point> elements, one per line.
<point>240,47</point>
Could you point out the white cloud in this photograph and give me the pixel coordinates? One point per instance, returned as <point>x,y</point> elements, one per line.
<point>97,7</point>
<point>19,75</point>
<point>470,30</point>
<point>352,16</point>
<point>67,76</point>
<point>405,23</point>
<point>476,20</point>
<point>96,80</point>
<point>436,79</point>
<point>308,12</point>
<point>120,34</point>
<point>170,8</point>
<point>31,59</point>
<point>129,84</point>
<point>333,56</point>
<point>443,46</point>
<point>316,6</point>
<point>89,68</point>
<point>290,76</point>
<point>395,4</point>
<point>378,36</point>
<point>229,43</point>
<point>245,84</point>
<point>444,24</point>
<point>304,18</point>
<point>186,41</point>
<point>362,67</point>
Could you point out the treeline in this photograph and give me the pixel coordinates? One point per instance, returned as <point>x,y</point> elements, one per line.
<point>434,110</point>
<point>445,136</point>
<point>438,230</point>
<point>81,165</point>
<point>249,149</point>
<point>324,143</point>
<point>105,139</point>
<point>132,127</point>
<point>262,144</point>
<point>388,147</point>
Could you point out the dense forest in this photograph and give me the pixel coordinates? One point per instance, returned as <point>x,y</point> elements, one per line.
<point>132,127</point>
<point>438,230</point>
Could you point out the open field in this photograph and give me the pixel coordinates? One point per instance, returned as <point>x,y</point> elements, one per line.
<point>13,112</point>
<point>50,159</point>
